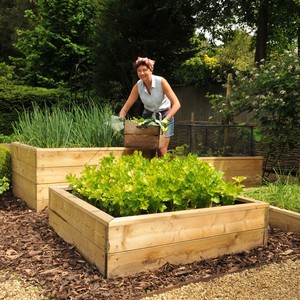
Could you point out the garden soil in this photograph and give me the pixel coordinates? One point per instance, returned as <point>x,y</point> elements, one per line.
<point>32,251</point>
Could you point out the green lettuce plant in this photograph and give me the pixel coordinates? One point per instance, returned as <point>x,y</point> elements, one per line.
<point>133,185</point>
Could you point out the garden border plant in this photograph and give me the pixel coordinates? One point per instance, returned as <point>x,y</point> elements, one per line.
<point>283,193</point>
<point>5,169</point>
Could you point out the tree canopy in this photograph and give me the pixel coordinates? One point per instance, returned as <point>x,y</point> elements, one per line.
<point>12,18</point>
<point>127,29</point>
<point>58,40</point>
<point>270,92</point>
<point>274,23</point>
<point>57,37</point>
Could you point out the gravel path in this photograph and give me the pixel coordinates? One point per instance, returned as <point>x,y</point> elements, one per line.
<point>275,281</point>
<point>14,288</point>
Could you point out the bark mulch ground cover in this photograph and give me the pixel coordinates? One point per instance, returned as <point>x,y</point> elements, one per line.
<point>32,250</point>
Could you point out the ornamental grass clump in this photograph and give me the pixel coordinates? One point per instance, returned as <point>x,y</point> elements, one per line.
<point>56,127</point>
<point>133,185</point>
<point>283,193</point>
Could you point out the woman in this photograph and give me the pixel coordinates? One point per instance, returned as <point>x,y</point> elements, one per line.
<point>157,96</point>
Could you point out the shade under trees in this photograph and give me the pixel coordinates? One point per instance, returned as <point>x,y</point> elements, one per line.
<point>127,29</point>
<point>12,18</point>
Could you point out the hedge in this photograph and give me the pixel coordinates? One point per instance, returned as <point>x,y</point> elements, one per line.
<point>15,98</point>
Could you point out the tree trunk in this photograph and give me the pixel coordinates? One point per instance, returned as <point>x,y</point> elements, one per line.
<point>262,32</point>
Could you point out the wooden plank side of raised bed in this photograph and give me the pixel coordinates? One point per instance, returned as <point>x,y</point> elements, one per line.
<point>25,189</point>
<point>87,248</point>
<point>132,233</point>
<point>56,175</point>
<point>235,162</point>
<point>78,157</point>
<point>49,157</point>
<point>25,169</point>
<point>82,216</point>
<point>250,167</point>
<point>24,153</point>
<point>253,178</point>
<point>254,174</point>
<point>131,262</point>
<point>284,219</point>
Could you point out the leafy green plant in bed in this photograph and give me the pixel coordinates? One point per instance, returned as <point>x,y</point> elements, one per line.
<point>133,185</point>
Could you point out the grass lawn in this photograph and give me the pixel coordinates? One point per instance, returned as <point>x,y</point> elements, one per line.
<point>281,193</point>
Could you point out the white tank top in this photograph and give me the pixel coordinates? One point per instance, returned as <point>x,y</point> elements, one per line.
<point>155,101</point>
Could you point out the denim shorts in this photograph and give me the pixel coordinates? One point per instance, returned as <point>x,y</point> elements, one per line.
<point>160,116</point>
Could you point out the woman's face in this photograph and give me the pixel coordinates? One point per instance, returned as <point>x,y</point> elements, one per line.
<point>143,72</point>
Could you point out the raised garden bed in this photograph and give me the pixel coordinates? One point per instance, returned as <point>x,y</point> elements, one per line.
<point>35,169</point>
<point>128,245</point>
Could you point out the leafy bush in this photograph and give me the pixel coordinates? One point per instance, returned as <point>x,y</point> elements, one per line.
<point>135,185</point>
<point>271,92</point>
<point>4,185</point>
<point>58,127</point>
<point>5,163</point>
<point>6,138</point>
<point>16,98</point>
<point>5,169</point>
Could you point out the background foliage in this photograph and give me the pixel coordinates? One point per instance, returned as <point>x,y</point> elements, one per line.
<point>88,46</point>
<point>271,92</point>
<point>57,41</point>
<point>132,28</point>
<point>16,98</point>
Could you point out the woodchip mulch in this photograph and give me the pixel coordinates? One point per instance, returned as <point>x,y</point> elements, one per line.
<point>36,260</point>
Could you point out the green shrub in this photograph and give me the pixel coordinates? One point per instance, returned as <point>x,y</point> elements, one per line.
<point>15,98</point>
<point>4,185</point>
<point>6,138</point>
<point>135,185</point>
<point>5,169</point>
<point>5,162</point>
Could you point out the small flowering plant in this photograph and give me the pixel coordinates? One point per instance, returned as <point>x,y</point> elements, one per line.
<point>271,92</point>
